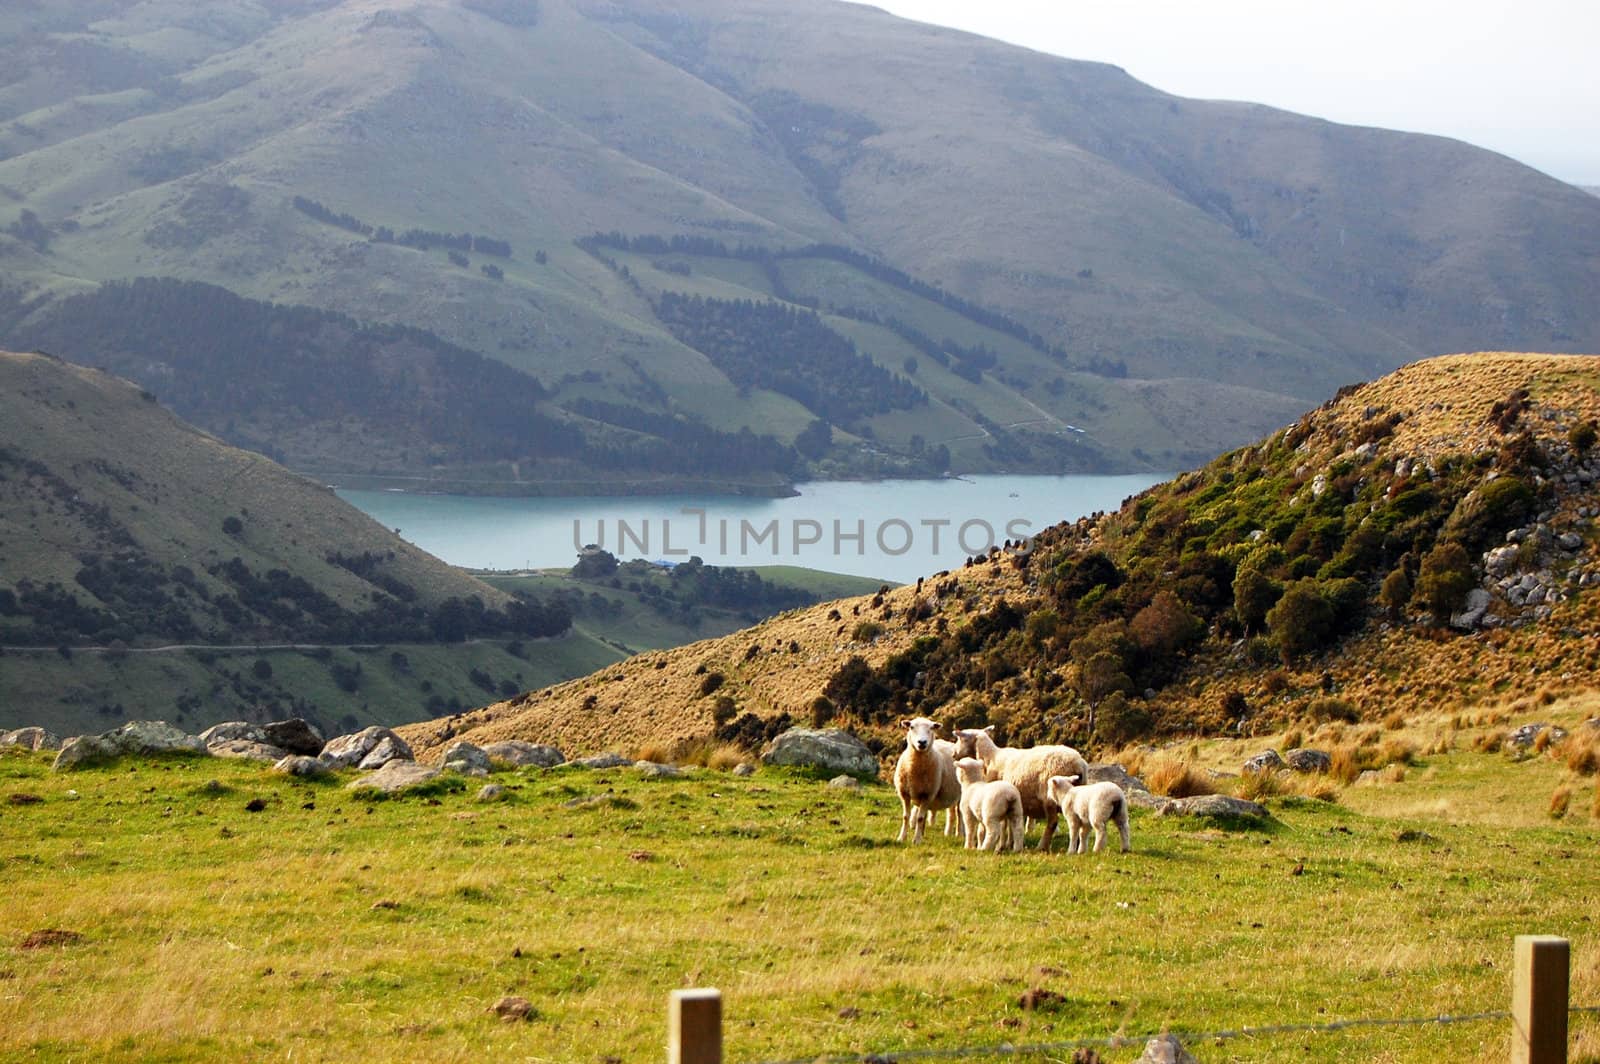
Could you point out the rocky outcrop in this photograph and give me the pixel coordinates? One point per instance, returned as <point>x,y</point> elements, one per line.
<point>301,765</point>
<point>604,761</point>
<point>518,753</point>
<point>1214,806</point>
<point>830,750</point>
<point>1166,1049</point>
<point>1308,760</point>
<point>1265,761</point>
<point>245,750</point>
<point>394,777</point>
<point>141,737</point>
<point>370,748</point>
<point>295,735</point>
<point>466,759</point>
<point>30,739</point>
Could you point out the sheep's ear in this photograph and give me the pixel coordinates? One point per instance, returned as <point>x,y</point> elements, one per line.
<point>989,728</point>
<point>905,723</point>
<point>1072,778</point>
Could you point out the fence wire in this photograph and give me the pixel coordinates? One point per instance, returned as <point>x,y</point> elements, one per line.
<point>1006,1049</point>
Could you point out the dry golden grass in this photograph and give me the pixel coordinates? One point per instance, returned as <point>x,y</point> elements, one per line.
<point>1394,721</point>
<point>1560,799</point>
<point>1580,750</point>
<point>1176,777</point>
<point>1394,772</point>
<point>1292,739</point>
<point>1346,763</point>
<point>1259,786</point>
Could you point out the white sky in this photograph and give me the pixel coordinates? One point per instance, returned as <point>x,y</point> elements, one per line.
<point>1519,78</point>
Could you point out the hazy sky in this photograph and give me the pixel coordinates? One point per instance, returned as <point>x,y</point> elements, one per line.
<point>1520,78</point>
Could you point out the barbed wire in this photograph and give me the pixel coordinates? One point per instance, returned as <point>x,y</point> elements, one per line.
<point>1006,1049</point>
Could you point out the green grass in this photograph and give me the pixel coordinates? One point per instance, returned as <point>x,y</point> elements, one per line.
<point>328,927</point>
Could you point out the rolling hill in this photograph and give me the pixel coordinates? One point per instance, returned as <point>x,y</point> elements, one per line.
<point>1424,539</point>
<point>1014,261</point>
<point>146,568</point>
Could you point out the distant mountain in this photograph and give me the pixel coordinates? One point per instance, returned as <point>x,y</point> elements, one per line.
<point>1593,190</point>
<point>990,258</point>
<point>1388,552</point>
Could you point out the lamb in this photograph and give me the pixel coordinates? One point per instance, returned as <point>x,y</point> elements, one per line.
<point>1026,769</point>
<point>1091,805</point>
<point>952,816</point>
<point>990,810</point>
<point>925,778</point>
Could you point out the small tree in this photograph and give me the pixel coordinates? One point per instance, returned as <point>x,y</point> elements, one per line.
<point>1445,579</point>
<point>1396,592</point>
<point>1300,621</point>
<point>1099,677</point>
<point>1254,593</point>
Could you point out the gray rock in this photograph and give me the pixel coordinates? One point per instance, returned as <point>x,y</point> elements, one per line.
<point>296,735</point>
<point>466,758</point>
<point>656,768</point>
<point>1570,541</point>
<point>139,737</point>
<point>1368,777</point>
<point>1525,736</point>
<point>1111,772</point>
<point>1500,561</point>
<point>1213,805</point>
<point>345,751</point>
<point>1166,1049</point>
<point>1266,761</point>
<point>394,777</point>
<point>245,750</point>
<point>30,739</point>
<point>845,783</point>
<point>491,792</point>
<point>516,752</point>
<point>389,748</point>
<point>604,761</point>
<point>1146,800</point>
<point>233,731</point>
<point>1305,760</point>
<point>1472,614</point>
<point>301,765</point>
<point>829,750</point>
<point>744,768</point>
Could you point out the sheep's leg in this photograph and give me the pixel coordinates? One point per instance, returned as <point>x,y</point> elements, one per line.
<point>1017,830</point>
<point>1099,835</point>
<point>1049,832</point>
<point>1122,825</point>
<point>969,830</point>
<point>905,817</point>
<point>919,817</point>
<point>949,816</point>
<point>994,834</point>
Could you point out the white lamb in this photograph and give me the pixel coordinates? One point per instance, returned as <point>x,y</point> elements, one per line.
<point>1026,769</point>
<point>925,778</point>
<point>991,810</point>
<point>1092,805</point>
<point>952,816</point>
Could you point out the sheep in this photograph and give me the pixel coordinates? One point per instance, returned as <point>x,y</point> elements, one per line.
<point>1091,805</point>
<point>990,810</point>
<point>952,816</point>
<point>924,776</point>
<point>1026,769</point>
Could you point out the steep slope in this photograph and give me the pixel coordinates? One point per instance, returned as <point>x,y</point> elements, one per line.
<point>1309,574</point>
<point>1118,231</point>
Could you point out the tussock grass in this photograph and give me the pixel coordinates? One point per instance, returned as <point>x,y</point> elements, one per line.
<point>1177,777</point>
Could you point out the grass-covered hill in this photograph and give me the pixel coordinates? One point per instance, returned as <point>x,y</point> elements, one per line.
<point>1011,260</point>
<point>1424,539</point>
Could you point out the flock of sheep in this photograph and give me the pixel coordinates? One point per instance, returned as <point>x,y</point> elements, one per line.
<point>996,790</point>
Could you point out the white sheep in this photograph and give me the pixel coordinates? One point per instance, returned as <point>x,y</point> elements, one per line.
<point>952,816</point>
<point>1092,805</point>
<point>991,810</point>
<point>925,778</point>
<point>1026,769</point>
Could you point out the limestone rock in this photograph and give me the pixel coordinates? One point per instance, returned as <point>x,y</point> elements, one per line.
<point>395,776</point>
<point>245,750</point>
<point>296,735</point>
<point>390,748</point>
<point>301,765</point>
<point>1111,772</point>
<point>30,739</point>
<point>657,769</point>
<point>1214,805</point>
<point>831,750</point>
<point>1307,760</point>
<point>744,768</point>
<point>1525,736</point>
<point>1166,1049</point>
<point>491,792</point>
<point>516,752</point>
<point>604,761</point>
<point>466,758</point>
<point>845,783</point>
<point>345,751</point>
<point>1266,761</point>
<point>141,737</point>
<point>1471,615</point>
<point>233,731</point>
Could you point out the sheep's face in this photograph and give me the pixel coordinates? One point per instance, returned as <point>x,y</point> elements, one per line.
<point>1057,788</point>
<point>920,732</point>
<point>969,770</point>
<point>967,740</point>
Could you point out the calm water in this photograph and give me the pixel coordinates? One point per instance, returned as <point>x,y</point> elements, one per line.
<point>897,530</point>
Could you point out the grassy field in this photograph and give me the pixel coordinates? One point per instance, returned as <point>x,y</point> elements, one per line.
<point>332,927</point>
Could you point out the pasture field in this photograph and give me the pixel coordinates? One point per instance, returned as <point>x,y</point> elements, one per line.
<point>329,926</point>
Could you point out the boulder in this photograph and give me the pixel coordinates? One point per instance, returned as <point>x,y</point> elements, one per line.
<point>1265,761</point>
<point>491,792</point>
<point>516,752</point>
<point>389,748</point>
<point>245,750</point>
<point>744,768</point>
<point>30,739</point>
<point>1111,772</point>
<point>829,750</point>
<point>233,731</point>
<point>845,783</point>
<point>1220,806</point>
<point>1471,615</point>
<point>345,751</point>
<point>1307,760</point>
<point>394,776</point>
<point>604,761</point>
<point>1166,1049</point>
<point>296,735</point>
<point>1500,561</point>
<point>1524,737</point>
<point>656,768</point>
<point>140,737</point>
<point>466,758</point>
<point>301,765</point>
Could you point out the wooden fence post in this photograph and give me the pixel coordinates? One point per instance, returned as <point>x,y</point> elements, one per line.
<point>1539,1000</point>
<point>694,1027</point>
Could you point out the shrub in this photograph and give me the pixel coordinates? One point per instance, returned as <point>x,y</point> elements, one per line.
<point>723,709</point>
<point>1120,721</point>
<point>1444,581</point>
<point>1581,436</point>
<point>711,682</point>
<point>232,525</point>
<point>1301,621</point>
<point>1323,710</point>
<point>822,711</point>
<point>866,631</point>
<point>1396,592</point>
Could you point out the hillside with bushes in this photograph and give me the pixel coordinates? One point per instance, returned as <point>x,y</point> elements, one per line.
<point>1424,539</point>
